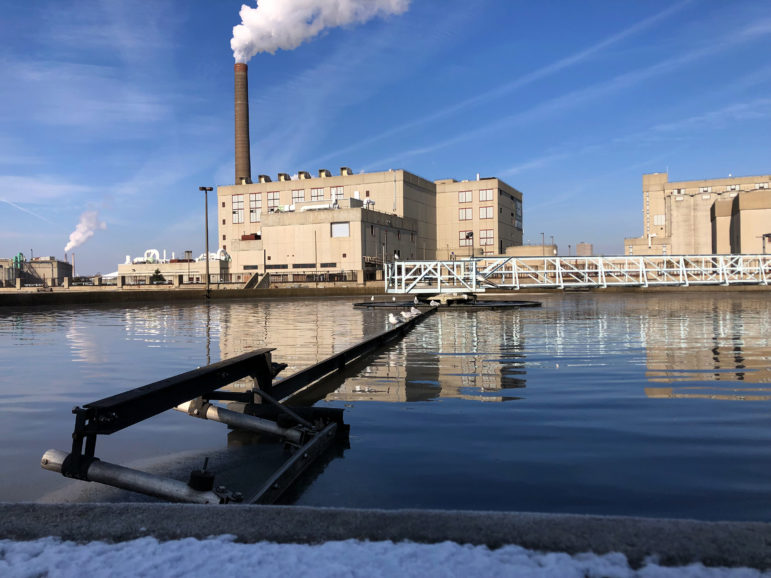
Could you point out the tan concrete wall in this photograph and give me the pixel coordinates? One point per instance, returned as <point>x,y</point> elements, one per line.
<point>750,220</point>
<point>502,205</point>
<point>394,193</point>
<point>193,272</point>
<point>584,250</point>
<point>305,238</point>
<point>532,251</point>
<point>686,206</point>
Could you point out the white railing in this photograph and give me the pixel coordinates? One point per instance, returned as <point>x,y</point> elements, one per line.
<point>480,274</point>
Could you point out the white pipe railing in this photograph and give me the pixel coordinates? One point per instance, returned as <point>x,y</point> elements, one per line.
<point>499,272</point>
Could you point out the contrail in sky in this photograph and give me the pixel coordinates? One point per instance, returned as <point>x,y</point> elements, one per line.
<point>22,209</point>
<point>520,82</point>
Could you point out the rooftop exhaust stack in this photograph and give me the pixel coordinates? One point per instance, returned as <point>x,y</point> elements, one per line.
<point>243,162</point>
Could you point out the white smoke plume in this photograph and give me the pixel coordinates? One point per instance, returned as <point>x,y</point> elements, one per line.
<point>88,225</point>
<point>285,24</point>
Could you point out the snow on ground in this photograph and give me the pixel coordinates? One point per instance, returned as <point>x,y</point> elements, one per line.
<point>222,557</point>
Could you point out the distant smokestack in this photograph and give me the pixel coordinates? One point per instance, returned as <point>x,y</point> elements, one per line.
<point>243,162</point>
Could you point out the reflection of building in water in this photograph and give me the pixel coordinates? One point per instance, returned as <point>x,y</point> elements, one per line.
<point>302,332</point>
<point>725,393</point>
<point>705,339</point>
<point>467,355</point>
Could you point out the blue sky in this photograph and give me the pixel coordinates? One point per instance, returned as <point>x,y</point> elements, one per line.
<point>125,108</point>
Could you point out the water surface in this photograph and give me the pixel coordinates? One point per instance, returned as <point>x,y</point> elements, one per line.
<point>638,404</point>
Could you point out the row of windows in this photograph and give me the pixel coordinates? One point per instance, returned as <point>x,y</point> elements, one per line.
<point>298,196</point>
<point>466,238</point>
<point>467,214</point>
<point>468,196</point>
<point>728,188</point>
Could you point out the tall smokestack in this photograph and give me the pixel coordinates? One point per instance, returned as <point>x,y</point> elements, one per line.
<point>243,162</point>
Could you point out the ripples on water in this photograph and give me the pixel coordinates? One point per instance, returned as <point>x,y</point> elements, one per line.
<point>640,404</point>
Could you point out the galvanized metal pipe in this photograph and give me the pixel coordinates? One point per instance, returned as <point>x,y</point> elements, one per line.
<point>243,421</point>
<point>133,480</point>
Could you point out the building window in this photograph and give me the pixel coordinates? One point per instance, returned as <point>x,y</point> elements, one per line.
<point>486,237</point>
<point>705,189</point>
<point>224,238</point>
<point>761,185</point>
<point>675,192</point>
<point>706,197</point>
<point>372,230</point>
<point>518,214</point>
<point>464,239</point>
<point>464,197</point>
<point>238,208</point>
<point>341,229</point>
<point>678,198</point>
<point>273,198</point>
<point>223,221</point>
<point>298,196</point>
<point>465,214</point>
<point>223,204</point>
<point>317,194</point>
<point>486,212</point>
<point>255,207</point>
<point>659,220</point>
<point>336,193</point>
<point>366,193</point>
<point>486,195</point>
<point>732,188</point>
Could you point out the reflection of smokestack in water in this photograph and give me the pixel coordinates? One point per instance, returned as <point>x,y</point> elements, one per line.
<point>243,162</point>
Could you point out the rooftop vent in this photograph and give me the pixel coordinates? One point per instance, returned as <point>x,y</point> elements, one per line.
<point>324,173</point>
<point>304,174</point>
<point>264,179</point>
<point>345,171</point>
<point>284,177</point>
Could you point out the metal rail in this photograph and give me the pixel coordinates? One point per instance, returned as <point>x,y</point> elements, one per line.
<point>311,433</point>
<point>480,274</point>
<point>301,379</point>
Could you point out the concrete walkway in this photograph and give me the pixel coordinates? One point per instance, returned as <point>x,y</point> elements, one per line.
<point>674,542</point>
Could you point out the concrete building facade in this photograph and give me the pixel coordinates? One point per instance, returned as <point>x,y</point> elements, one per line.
<point>46,271</point>
<point>699,217</point>
<point>353,222</point>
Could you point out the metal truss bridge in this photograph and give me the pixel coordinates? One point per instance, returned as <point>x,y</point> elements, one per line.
<point>477,275</point>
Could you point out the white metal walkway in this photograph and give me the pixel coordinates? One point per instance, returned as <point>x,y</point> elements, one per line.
<point>480,274</point>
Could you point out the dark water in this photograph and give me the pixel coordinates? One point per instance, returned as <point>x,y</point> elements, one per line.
<point>639,404</point>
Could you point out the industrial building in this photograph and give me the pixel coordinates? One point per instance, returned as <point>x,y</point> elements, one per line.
<point>347,224</point>
<point>43,271</point>
<point>353,222</point>
<point>710,216</point>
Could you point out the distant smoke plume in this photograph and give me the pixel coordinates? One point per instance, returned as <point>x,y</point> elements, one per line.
<point>88,225</point>
<point>285,24</point>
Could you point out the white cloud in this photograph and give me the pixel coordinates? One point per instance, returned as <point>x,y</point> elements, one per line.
<point>85,97</point>
<point>37,189</point>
